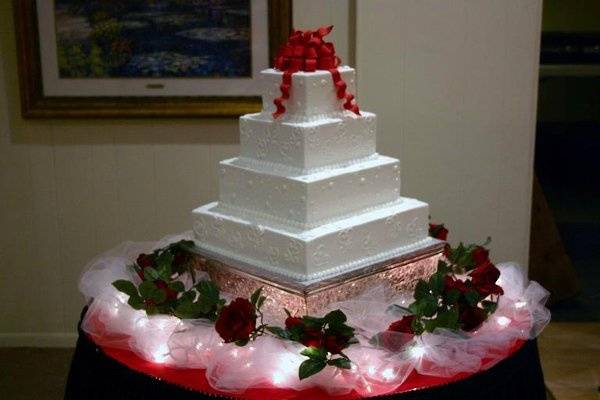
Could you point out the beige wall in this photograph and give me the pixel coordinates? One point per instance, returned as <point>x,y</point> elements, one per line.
<point>454,88</point>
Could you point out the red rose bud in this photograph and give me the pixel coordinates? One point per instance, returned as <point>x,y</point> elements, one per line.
<point>170,293</point>
<point>236,321</point>
<point>484,274</point>
<point>471,318</point>
<point>144,261</point>
<point>403,325</point>
<point>447,250</point>
<point>335,344</point>
<point>480,255</point>
<point>438,231</point>
<point>312,338</point>
<point>291,322</point>
<point>452,283</point>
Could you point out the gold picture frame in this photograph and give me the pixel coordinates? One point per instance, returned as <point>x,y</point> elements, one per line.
<point>35,104</point>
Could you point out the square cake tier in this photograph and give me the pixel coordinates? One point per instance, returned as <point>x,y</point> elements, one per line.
<point>318,253</point>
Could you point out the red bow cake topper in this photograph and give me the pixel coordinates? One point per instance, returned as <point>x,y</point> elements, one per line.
<point>307,51</point>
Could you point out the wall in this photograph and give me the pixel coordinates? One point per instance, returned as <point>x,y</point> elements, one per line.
<point>70,189</point>
<point>454,84</point>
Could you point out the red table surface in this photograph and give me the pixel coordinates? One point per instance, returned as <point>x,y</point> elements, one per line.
<point>195,379</point>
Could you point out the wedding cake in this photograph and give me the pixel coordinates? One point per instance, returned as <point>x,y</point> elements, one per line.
<point>309,197</point>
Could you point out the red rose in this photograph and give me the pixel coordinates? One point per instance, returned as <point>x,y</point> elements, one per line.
<point>335,344</point>
<point>447,250</point>
<point>312,338</point>
<point>236,321</point>
<point>144,261</point>
<point>471,318</point>
<point>484,279</point>
<point>452,283</point>
<point>291,322</point>
<point>480,255</point>
<point>438,231</point>
<point>170,293</point>
<point>403,325</point>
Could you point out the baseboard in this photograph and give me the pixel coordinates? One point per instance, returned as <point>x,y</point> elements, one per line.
<point>43,339</point>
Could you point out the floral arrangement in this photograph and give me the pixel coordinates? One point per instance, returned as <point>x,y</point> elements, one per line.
<point>459,296</point>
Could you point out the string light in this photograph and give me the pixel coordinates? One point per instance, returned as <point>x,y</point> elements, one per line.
<point>160,354</point>
<point>520,304</point>
<point>388,374</point>
<point>503,321</point>
<point>417,351</point>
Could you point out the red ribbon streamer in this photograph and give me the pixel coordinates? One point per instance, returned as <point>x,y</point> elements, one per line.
<point>307,51</point>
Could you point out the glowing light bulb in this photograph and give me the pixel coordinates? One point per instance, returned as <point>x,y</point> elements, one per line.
<point>388,374</point>
<point>234,353</point>
<point>248,365</point>
<point>520,304</point>
<point>160,354</point>
<point>417,351</point>
<point>503,321</point>
<point>199,345</point>
<point>371,370</point>
<point>277,378</point>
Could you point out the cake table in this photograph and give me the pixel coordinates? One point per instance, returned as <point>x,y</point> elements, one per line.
<point>105,373</point>
<point>311,277</point>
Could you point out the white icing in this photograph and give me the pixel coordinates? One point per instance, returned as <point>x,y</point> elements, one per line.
<point>308,199</point>
<point>319,252</point>
<point>307,146</point>
<point>312,95</point>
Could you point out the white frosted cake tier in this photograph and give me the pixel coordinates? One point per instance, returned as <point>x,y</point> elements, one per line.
<point>316,253</point>
<point>312,95</point>
<point>308,145</point>
<point>250,188</point>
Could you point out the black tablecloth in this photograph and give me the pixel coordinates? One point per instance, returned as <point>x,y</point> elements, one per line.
<point>94,375</point>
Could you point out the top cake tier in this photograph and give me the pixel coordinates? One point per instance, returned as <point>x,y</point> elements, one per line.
<point>312,95</point>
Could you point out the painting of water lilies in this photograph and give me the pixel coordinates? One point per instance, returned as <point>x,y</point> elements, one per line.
<point>146,58</point>
<point>153,38</point>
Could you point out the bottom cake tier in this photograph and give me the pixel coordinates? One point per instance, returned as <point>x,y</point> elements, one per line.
<point>315,254</point>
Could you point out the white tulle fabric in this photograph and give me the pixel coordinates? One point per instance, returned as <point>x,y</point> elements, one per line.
<point>269,361</point>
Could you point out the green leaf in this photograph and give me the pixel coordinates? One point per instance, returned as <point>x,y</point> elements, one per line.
<point>136,302</point>
<point>448,319</point>
<point>208,290</point>
<point>277,331</point>
<point>310,367</point>
<point>430,324</point>
<point>177,286</point>
<point>316,353</point>
<point>436,283</point>
<point>335,317</point>
<point>472,297</point>
<point>340,363</point>
<point>260,302</point>
<point>126,287</point>
<point>146,289</point>
<point>255,296</point>
<point>313,322</point>
<point>397,309</point>
<point>188,310</point>
<point>417,326</point>
<point>421,290</point>
<point>452,296</point>
<point>159,296</point>
<point>489,306</point>
<point>443,267</point>
<point>150,274</point>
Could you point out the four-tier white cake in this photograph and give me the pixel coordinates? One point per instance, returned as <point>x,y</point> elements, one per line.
<point>309,197</point>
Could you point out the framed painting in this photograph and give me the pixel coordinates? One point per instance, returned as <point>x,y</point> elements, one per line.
<point>145,58</point>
